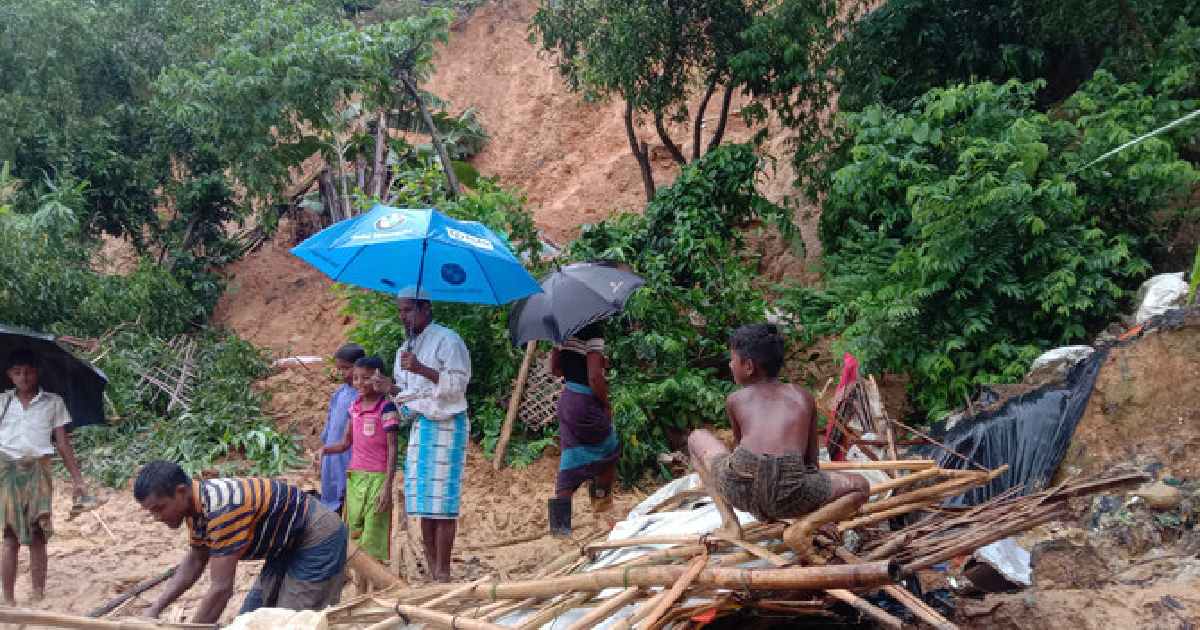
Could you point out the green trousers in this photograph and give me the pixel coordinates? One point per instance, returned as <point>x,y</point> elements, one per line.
<point>369,528</point>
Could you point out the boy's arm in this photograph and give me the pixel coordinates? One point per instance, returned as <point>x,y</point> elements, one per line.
<point>342,446</point>
<point>185,576</point>
<point>384,502</point>
<point>812,454</point>
<point>63,443</point>
<point>733,420</point>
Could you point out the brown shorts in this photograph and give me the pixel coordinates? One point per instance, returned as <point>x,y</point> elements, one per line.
<point>770,487</point>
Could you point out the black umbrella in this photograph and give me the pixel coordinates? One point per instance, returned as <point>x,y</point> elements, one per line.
<point>79,383</point>
<point>573,297</point>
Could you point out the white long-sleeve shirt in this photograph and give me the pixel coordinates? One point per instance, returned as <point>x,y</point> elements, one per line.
<point>443,351</point>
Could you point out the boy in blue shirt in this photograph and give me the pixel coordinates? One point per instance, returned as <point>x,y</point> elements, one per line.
<point>333,466</point>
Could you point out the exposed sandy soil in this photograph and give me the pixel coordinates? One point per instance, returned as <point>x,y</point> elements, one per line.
<point>280,303</point>
<point>570,157</point>
<point>1145,389</point>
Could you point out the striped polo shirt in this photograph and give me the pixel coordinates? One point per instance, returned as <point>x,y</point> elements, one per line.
<point>247,516</point>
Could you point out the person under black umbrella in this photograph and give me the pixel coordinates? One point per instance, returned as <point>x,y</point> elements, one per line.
<point>589,444</point>
<point>32,422</point>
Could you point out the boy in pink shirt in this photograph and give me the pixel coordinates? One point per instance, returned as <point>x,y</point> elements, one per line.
<point>370,437</point>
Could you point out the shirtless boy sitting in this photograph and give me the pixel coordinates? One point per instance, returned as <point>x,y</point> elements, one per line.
<point>772,472</point>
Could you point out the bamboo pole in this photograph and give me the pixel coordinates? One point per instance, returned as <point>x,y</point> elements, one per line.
<point>672,595</point>
<point>645,540</point>
<point>369,568</point>
<point>458,592</point>
<point>945,489</point>
<point>895,464</point>
<point>877,517</point>
<point>758,551</point>
<point>514,405</point>
<point>792,578</point>
<point>879,615</point>
<point>141,587</point>
<point>46,618</point>
<point>906,480</point>
<point>555,610</point>
<point>640,613</point>
<point>501,608</point>
<point>606,610</point>
<point>988,537</point>
<point>439,619</point>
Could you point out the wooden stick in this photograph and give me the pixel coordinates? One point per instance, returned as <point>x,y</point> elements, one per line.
<point>61,620</point>
<point>896,464</point>
<point>514,405</point>
<point>458,592</point>
<point>877,517</point>
<point>792,578</point>
<point>672,595</point>
<point>640,613</point>
<point>945,489</point>
<point>876,613</point>
<point>439,619</point>
<point>556,610</point>
<point>369,568</point>
<point>645,540</point>
<point>605,610</point>
<point>919,608</point>
<point>983,539</point>
<point>140,588</point>
<point>757,551</point>
<point>904,481</point>
<point>502,608</point>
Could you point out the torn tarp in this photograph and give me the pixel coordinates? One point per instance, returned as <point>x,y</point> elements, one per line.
<point>1029,432</point>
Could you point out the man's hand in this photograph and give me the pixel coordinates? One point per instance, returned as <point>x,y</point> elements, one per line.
<point>409,362</point>
<point>384,503</point>
<point>381,383</point>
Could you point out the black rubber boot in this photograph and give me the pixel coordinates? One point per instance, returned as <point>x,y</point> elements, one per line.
<point>560,516</point>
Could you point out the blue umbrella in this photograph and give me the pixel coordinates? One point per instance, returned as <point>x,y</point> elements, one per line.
<point>421,251</point>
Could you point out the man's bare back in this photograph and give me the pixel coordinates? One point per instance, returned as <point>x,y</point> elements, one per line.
<point>774,418</point>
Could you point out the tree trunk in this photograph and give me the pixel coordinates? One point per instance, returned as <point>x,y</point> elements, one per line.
<point>720,132</point>
<point>666,139</point>
<point>329,196</point>
<point>698,125</point>
<point>360,171</point>
<point>451,178</point>
<point>379,166</point>
<point>639,152</point>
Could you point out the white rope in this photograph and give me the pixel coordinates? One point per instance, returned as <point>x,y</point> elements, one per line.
<point>1139,139</point>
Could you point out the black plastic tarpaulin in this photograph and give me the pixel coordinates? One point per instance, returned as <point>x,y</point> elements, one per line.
<point>79,383</point>
<point>1029,432</point>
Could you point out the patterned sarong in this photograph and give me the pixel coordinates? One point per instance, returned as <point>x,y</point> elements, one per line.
<point>770,486</point>
<point>433,470</point>
<point>585,433</point>
<point>26,490</point>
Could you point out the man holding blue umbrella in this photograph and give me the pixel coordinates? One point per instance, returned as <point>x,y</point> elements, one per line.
<point>432,371</point>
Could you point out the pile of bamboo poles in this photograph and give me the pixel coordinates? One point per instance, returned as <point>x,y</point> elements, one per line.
<point>681,577</point>
<point>684,577</point>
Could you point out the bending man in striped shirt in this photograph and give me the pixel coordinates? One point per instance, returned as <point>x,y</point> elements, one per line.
<point>232,519</point>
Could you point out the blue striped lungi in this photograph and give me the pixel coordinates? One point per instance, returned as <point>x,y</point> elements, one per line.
<point>433,470</point>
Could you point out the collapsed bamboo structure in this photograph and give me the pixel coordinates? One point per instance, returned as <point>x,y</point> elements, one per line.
<point>664,584</point>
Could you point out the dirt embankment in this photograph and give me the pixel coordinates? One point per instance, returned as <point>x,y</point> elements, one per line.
<point>1130,559</point>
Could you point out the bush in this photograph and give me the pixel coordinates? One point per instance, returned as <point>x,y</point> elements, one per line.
<point>224,428</point>
<point>960,243</point>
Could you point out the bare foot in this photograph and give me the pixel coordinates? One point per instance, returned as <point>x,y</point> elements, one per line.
<point>10,601</point>
<point>732,531</point>
<point>37,596</point>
